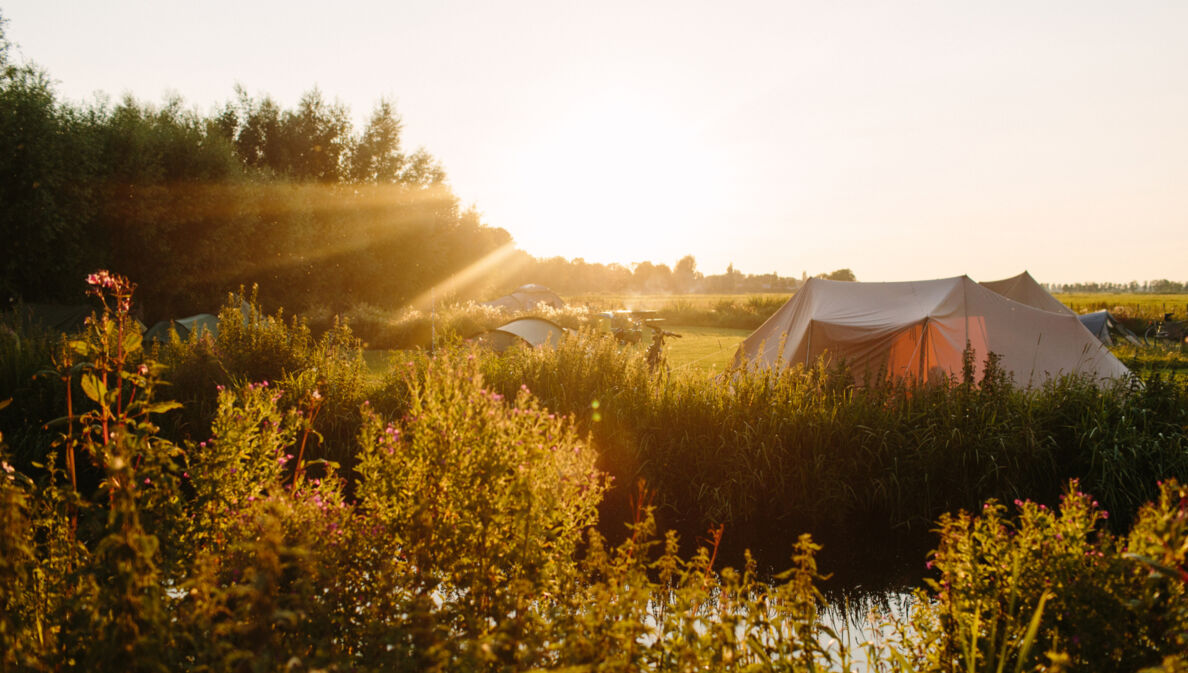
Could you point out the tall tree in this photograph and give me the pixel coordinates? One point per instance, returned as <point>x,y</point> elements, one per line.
<point>684,274</point>
<point>317,138</point>
<point>46,160</point>
<point>377,157</point>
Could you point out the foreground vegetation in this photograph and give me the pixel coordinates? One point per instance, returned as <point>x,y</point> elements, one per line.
<point>456,526</point>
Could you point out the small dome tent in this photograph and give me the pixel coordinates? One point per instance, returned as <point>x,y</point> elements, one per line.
<point>526,298</point>
<point>1101,324</point>
<point>534,332</point>
<point>920,329</point>
<point>184,327</point>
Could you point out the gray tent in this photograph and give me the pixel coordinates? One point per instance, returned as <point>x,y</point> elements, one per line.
<point>1101,324</point>
<point>526,298</point>
<point>203,322</point>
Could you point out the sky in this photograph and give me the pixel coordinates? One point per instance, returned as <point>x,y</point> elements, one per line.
<point>902,140</point>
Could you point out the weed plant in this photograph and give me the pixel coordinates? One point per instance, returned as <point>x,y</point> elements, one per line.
<point>36,397</point>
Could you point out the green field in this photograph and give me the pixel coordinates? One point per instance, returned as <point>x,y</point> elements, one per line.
<point>703,348</point>
<point>1127,305</point>
<point>1140,307</point>
<point>655,302</point>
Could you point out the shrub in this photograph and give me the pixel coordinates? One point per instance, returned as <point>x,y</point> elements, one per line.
<point>1011,589</point>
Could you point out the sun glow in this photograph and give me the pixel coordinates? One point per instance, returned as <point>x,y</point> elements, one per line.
<point>618,181</point>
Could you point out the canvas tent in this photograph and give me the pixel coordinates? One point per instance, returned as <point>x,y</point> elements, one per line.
<point>531,331</point>
<point>920,329</point>
<point>184,326</point>
<point>526,298</point>
<point>1025,290</point>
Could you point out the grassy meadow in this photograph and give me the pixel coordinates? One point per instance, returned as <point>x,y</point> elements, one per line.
<point>1128,307</point>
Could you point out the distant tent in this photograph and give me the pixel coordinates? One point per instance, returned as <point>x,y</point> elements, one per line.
<point>526,298</point>
<point>184,327</point>
<point>1025,290</point>
<point>918,330</point>
<point>55,317</point>
<point>1101,324</point>
<point>531,331</point>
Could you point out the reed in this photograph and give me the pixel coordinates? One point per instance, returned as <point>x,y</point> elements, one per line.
<point>772,455</point>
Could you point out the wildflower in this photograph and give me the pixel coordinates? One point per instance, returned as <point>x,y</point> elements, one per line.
<point>142,370</point>
<point>102,279</point>
<point>147,480</point>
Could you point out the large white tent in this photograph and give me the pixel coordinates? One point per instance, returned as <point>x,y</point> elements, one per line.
<point>920,329</point>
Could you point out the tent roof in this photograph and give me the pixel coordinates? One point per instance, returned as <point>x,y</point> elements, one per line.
<point>536,331</point>
<point>921,329</point>
<point>526,298</point>
<point>1025,290</point>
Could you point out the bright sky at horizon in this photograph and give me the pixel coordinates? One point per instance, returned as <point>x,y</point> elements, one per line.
<point>901,140</point>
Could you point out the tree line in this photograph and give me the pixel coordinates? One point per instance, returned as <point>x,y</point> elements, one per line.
<point>318,213</point>
<point>191,205</point>
<point>1161,286</point>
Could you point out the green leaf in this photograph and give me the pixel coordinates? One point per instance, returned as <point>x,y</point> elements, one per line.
<point>5,403</point>
<point>81,347</point>
<point>162,407</point>
<point>93,387</point>
<point>132,341</point>
<point>1032,630</point>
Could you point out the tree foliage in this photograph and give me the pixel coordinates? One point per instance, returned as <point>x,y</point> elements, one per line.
<point>194,205</point>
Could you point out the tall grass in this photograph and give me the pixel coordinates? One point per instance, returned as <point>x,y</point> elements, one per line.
<point>771,455</point>
<point>1159,356</point>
